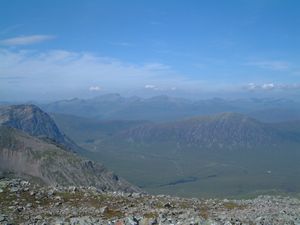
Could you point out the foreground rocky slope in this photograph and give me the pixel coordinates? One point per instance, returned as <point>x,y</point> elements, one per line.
<point>25,203</point>
<point>28,156</point>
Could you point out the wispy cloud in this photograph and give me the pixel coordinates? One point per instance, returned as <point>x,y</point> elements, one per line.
<point>270,64</point>
<point>26,40</point>
<point>156,88</point>
<point>157,66</point>
<point>272,86</point>
<point>269,86</point>
<point>95,88</point>
<point>59,69</point>
<point>150,86</point>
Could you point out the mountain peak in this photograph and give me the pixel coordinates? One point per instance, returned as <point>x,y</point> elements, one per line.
<point>32,120</point>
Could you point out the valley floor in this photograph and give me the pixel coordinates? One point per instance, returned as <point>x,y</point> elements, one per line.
<point>24,203</point>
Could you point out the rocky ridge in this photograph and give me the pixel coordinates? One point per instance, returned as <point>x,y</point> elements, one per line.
<point>24,203</point>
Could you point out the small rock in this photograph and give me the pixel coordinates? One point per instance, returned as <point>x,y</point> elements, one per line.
<point>57,198</point>
<point>136,195</point>
<point>19,209</point>
<point>14,189</point>
<point>57,203</point>
<point>227,223</point>
<point>168,205</point>
<point>24,183</point>
<point>72,189</point>
<point>2,217</point>
<point>39,217</point>
<point>131,221</point>
<point>50,193</point>
<point>104,210</point>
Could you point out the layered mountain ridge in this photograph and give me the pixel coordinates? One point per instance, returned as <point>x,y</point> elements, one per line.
<point>166,108</point>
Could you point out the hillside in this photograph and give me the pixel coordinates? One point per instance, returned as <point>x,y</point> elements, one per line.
<point>25,155</point>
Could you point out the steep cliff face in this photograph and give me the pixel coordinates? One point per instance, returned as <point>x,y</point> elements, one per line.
<point>23,154</point>
<point>34,121</point>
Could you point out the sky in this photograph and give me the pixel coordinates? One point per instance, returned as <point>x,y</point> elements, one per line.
<point>57,49</point>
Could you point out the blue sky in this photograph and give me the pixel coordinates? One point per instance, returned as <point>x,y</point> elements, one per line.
<point>61,49</point>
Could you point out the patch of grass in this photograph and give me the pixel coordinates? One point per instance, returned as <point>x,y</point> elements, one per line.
<point>204,212</point>
<point>67,196</point>
<point>184,205</point>
<point>233,206</point>
<point>112,213</point>
<point>150,215</point>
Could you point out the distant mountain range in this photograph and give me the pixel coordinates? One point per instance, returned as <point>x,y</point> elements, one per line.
<point>165,108</point>
<point>32,145</point>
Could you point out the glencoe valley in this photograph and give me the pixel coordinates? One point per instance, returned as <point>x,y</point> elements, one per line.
<point>149,112</point>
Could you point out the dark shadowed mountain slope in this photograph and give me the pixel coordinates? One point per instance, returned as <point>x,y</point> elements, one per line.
<point>226,130</point>
<point>34,121</point>
<point>26,155</point>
